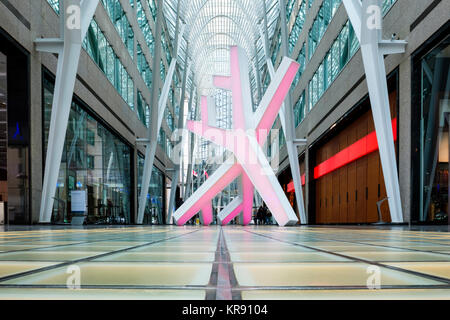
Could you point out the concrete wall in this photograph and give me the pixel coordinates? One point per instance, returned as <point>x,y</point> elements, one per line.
<point>27,20</point>
<point>330,108</point>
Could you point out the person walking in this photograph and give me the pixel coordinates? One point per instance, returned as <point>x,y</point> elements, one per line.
<point>259,215</point>
<point>255,216</point>
<point>268,215</point>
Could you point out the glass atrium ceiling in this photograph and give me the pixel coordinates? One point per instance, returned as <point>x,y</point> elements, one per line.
<point>212,26</point>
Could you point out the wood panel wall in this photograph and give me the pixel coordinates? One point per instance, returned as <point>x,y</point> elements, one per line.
<point>350,194</point>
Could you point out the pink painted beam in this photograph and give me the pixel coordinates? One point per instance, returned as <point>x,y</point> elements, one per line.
<point>222,82</point>
<point>252,163</point>
<point>211,188</point>
<point>207,214</point>
<point>232,215</point>
<point>247,203</point>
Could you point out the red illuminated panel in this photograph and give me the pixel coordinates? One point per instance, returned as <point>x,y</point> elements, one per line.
<point>359,149</point>
<point>291,188</point>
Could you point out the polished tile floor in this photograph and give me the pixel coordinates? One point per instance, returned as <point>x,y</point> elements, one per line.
<point>224,263</point>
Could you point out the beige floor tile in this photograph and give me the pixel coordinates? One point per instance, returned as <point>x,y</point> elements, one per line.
<point>122,273</point>
<point>114,243</point>
<point>398,256</point>
<point>94,294</point>
<point>18,247</point>
<point>8,268</point>
<point>47,243</point>
<point>355,248</point>
<point>46,255</point>
<point>385,294</point>
<point>156,248</point>
<point>161,256</point>
<point>86,248</point>
<point>324,274</point>
<point>326,243</point>
<point>284,257</point>
<point>273,249</point>
<point>439,269</point>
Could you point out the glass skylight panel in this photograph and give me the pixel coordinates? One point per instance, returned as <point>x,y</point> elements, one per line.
<point>212,26</point>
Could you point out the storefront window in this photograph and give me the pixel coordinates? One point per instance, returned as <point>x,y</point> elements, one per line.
<point>14,134</point>
<point>154,209</point>
<point>432,80</point>
<point>94,160</point>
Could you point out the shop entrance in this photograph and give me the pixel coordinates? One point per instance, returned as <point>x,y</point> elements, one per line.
<point>434,83</point>
<point>348,177</point>
<point>14,152</point>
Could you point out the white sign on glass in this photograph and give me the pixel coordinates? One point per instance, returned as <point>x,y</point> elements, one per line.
<point>79,201</point>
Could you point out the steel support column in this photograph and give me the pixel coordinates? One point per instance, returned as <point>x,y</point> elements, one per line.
<point>157,112</point>
<point>366,18</point>
<point>188,189</point>
<point>289,124</point>
<point>181,124</point>
<point>286,112</point>
<point>75,15</point>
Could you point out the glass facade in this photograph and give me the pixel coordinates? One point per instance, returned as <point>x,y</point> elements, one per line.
<point>320,25</point>
<point>120,21</point>
<point>154,210</point>
<point>103,54</point>
<point>169,119</point>
<point>324,17</point>
<point>300,109</point>
<point>276,48</point>
<point>289,7</point>
<point>153,8</point>
<point>144,67</point>
<point>14,134</point>
<point>431,89</point>
<point>297,27</point>
<point>95,161</point>
<point>342,50</point>
<point>301,59</point>
<point>54,4</point>
<point>143,110</point>
<point>145,26</point>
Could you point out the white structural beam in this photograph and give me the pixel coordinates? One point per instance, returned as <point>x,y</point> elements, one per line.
<point>286,113</point>
<point>366,18</point>
<point>188,189</point>
<point>181,124</point>
<point>75,15</point>
<point>250,161</point>
<point>157,113</point>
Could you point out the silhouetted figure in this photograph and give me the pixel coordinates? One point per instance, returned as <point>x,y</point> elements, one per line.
<point>267,214</point>
<point>260,215</point>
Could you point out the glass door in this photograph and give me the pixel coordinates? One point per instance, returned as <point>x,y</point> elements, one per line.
<point>3,132</point>
<point>434,135</point>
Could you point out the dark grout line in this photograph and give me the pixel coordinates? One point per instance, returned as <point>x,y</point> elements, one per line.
<point>26,273</point>
<point>212,283</point>
<point>212,288</point>
<point>222,262</point>
<point>107,287</point>
<point>335,288</point>
<point>382,246</point>
<point>228,264</point>
<point>423,275</point>
<point>222,274</point>
<point>73,244</point>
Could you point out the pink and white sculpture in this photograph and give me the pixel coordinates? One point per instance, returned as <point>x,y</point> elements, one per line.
<point>245,141</point>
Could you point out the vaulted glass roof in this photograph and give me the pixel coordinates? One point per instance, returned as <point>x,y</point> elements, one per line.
<point>212,26</point>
